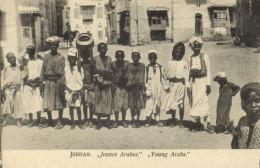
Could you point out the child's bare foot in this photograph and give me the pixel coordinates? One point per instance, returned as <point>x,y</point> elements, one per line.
<point>109,126</point>
<point>181,125</point>
<point>99,126</point>
<point>59,125</point>
<point>18,123</point>
<point>81,126</point>
<point>124,124</point>
<point>4,123</point>
<point>30,124</point>
<point>73,126</point>
<point>86,124</point>
<point>90,124</point>
<point>115,125</point>
<point>138,125</point>
<point>159,124</point>
<point>134,124</point>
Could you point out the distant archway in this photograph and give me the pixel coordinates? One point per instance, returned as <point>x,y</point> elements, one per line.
<point>198,24</point>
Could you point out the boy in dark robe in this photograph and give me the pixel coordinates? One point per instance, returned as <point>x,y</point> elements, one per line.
<point>226,91</point>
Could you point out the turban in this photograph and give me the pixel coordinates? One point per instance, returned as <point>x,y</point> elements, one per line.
<point>194,39</point>
<point>53,39</point>
<point>152,51</point>
<point>72,52</point>
<point>10,55</point>
<point>30,46</point>
<point>253,86</point>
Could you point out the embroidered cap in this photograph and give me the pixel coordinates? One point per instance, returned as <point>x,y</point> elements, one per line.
<point>220,75</point>
<point>135,50</point>
<point>53,39</point>
<point>152,51</point>
<point>194,39</point>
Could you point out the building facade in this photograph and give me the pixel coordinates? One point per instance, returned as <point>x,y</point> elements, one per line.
<point>89,16</point>
<point>248,22</point>
<point>144,21</point>
<point>26,22</point>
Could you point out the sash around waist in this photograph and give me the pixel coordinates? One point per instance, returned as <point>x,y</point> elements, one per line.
<point>177,80</point>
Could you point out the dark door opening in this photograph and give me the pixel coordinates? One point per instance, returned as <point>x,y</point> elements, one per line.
<point>159,35</point>
<point>124,28</point>
<point>198,24</point>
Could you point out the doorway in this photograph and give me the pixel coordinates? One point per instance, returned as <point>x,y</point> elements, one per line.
<point>198,24</point>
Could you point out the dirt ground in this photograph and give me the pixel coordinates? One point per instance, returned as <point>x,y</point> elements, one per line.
<point>240,64</point>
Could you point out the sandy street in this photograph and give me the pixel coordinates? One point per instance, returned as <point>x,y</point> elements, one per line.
<point>240,64</point>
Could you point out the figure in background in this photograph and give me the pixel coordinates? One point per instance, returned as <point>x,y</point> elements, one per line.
<point>226,91</point>
<point>136,86</point>
<point>12,80</point>
<point>153,90</point>
<point>247,134</point>
<point>52,75</point>
<point>120,93</point>
<point>103,93</point>
<point>85,45</point>
<point>199,85</point>
<point>31,92</point>
<point>176,75</point>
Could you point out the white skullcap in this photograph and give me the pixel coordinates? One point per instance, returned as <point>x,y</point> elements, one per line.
<point>53,39</point>
<point>152,51</point>
<point>135,50</point>
<point>222,74</point>
<point>120,50</point>
<point>193,39</point>
<point>72,52</point>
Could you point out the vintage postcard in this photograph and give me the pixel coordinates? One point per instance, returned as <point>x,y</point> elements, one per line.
<point>130,83</point>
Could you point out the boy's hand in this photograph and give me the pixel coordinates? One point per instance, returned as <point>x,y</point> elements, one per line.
<point>189,92</point>
<point>3,98</point>
<point>208,90</point>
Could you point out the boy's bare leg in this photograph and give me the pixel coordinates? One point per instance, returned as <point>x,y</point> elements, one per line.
<point>116,117</point>
<point>72,118</point>
<point>39,119</point>
<point>4,120</point>
<point>31,120</point>
<point>124,124</point>
<point>18,122</point>
<point>133,117</point>
<point>99,125</point>
<point>138,125</point>
<point>181,117</point>
<point>91,113</point>
<point>109,126</point>
<point>85,113</point>
<point>59,124</point>
<point>79,118</point>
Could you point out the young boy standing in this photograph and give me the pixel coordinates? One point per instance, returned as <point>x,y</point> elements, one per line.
<point>153,92</point>
<point>120,94</point>
<point>11,82</point>
<point>52,75</point>
<point>31,90</point>
<point>226,91</point>
<point>74,84</point>
<point>136,85</point>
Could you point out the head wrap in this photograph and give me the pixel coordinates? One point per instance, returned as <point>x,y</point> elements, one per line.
<point>10,55</point>
<point>30,46</point>
<point>220,75</point>
<point>194,39</point>
<point>85,39</point>
<point>72,52</point>
<point>135,50</point>
<point>250,87</point>
<point>53,39</point>
<point>180,44</point>
<point>152,51</point>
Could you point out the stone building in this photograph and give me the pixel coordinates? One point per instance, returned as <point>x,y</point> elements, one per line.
<point>143,21</point>
<point>24,22</point>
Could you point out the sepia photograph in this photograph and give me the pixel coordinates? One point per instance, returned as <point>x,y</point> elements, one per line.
<point>129,75</point>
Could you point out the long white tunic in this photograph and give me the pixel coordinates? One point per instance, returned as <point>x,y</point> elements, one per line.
<point>199,101</point>
<point>32,97</point>
<point>175,96</point>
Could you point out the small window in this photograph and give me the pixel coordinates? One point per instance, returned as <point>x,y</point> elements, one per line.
<point>100,12</point>
<point>26,32</point>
